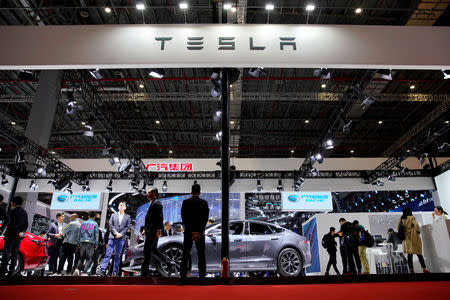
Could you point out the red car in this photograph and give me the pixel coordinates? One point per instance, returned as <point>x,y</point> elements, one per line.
<point>32,254</point>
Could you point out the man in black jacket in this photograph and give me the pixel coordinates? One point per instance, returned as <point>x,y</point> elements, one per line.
<point>3,215</point>
<point>349,246</point>
<point>153,231</point>
<point>194,213</point>
<point>331,249</point>
<point>17,225</point>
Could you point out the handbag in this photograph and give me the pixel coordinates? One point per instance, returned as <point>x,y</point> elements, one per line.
<point>401,231</point>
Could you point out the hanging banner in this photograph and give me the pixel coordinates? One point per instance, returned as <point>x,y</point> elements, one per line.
<point>306,201</point>
<point>76,201</point>
<point>224,45</point>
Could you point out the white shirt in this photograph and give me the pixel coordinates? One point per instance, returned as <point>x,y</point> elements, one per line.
<point>120,218</point>
<point>60,227</point>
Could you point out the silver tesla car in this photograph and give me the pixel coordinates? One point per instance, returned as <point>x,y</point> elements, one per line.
<point>254,247</point>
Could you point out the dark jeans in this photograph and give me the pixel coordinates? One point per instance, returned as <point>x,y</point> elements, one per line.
<point>86,254</point>
<point>10,251</point>
<point>332,261</point>
<point>421,260</point>
<point>116,246</point>
<point>54,252</point>
<point>344,256</point>
<point>355,256</point>
<point>187,246</point>
<point>351,254</point>
<point>151,253</point>
<point>67,253</point>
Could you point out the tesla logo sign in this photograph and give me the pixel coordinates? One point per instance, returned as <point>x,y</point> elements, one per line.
<point>171,167</point>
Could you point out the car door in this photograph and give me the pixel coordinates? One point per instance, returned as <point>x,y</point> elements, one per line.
<point>238,244</point>
<point>263,245</point>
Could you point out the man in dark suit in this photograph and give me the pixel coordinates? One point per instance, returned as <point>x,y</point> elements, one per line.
<point>153,231</point>
<point>119,224</point>
<point>3,215</point>
<point>55,234</point>
<point>194,213</point>
<point>17,225</point>
<point>167,229</point>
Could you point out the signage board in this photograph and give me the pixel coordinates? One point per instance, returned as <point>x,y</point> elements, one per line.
<point>76,201</point>
<point>170,167</point>
<point>306,201</point>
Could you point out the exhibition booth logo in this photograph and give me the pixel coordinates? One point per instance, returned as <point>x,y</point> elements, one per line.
<point>62,198</point>
<point>171,167</point>
<point>293,198</point>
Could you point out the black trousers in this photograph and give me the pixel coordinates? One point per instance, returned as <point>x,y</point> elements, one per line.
<point>332,261</point>
<point>54,252</point>
<point>151,253</point>
<point>344,255</point>
<point>187,246</point>
<point>86,254</point>
<point>354,256</point>
<point>421,260</point>
<point>67,253</point>
<point>10,251</point>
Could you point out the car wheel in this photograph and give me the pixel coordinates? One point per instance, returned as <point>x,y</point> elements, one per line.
<point>172,267</point>
<point>290,263</point>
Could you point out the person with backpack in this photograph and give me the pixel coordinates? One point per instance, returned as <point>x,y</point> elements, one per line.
<point>364,238</point>
<point>349,241</point>
<point>329,243</point>
<point>409,233</point>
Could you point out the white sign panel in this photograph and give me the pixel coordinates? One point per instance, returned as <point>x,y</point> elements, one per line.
<point>224,45</point>
<point>76,201</point>
<point>306,201</point>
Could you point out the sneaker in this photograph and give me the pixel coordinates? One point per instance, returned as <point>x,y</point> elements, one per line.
<point>76,272</point>
<point>84,274</point>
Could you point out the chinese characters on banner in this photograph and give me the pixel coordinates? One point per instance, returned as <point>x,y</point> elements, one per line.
<point>174,167</point>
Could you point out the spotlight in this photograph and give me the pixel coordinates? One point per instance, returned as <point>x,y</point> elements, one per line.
<point>368,101</point>
<point>233,9</point>
<point>346,128</point>
<point>25,75</point>
<point>259,187</point>
<point>270,6</point>
<point>385,74</point>
<point>444,147</point>
<point>328,144</point>
<point>412,87</point>
<point>227,6</point>
<point>280,187</point>
<point>391,177</point>
<point>33,185</point>
<point>164,186</point>
<point>310,7</point>
<point>108,10</point>
<point>379,182</point>
<point>183,5</point>
<point>109,186</point>
<point>422,158</point>
<point>125,168</point>
<point>219,136</point>
<point>4,180</point>
<point>257,72</point>
<point>157,73</point>
<point>140,6</point>
<point>323,73</point>
<point>358,10</point>
<point>114,161</point>
<point>446,74</point>
<point>40,171</point>
<point>85,187</point>
<point>96,74</point>
<point>314,172</point>
<point>218,115</point>
<point>318,157</point>
<point>135,183</point>
<point>68,189</point>
<point>88,132</point>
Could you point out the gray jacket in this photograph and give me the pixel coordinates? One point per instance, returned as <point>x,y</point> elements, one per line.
<point>123,228</point>
<point>89,232</point>
<point>71,232</point>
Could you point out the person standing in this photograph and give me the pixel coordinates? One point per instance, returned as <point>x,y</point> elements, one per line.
<point>119,224</point>
<point>349,246</point>
<point>17,225</point>
<point>194,214</point>
<point>439,215</point>
<point>412,244</point>
<point>54,234</point>
<point>3,215</point>
<point>362,248</point>
<point>71,234</point>
<point>88,243</point>
<point>153,231</point>
<point>393,238</point>
<point>167,229</point>
<point>331,246</point>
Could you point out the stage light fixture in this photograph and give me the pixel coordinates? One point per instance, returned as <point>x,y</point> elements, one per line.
<point>135,183</point>
<point>33,185</point>
<point>317,157</point>
<point>323,73</point>
<point>114,161</point>
<point>368,101</point>
<point>25,75</point>
<point>85,187</point>
<point>422,158</point>
<point>227,6</point>
<point>385,74</point>
<point>109,186</point>
<point>444,147</point>
<point>323,85</point>
<point>157,73</point>
<point>96,74</point>
<point>270,6</point>
<point>108,10</point>
<point>306,121</point>
<point>358,10</point>
<point>310,7</point>
<point>314,172</point>
<point>233,9</point>
<point>40,171</point>
<point>328,144</point>
<point>280,187</point>
<point>259,187</point>
<point>257,72</point>
<point>140,6</point>
<point>164,186</point>
<point>5,180</point>
<point>68,189</point>
<point>219,136</point>
<point>391,177</point>
<point>346,128</point>
<point>446,74</point>
<point>88,131</point>
<point>184,5</point>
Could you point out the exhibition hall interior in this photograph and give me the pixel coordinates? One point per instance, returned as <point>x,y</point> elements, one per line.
<point>297,144</point>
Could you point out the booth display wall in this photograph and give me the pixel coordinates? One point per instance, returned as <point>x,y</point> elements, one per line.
<point>5,190</point>
<point>443,189</point>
